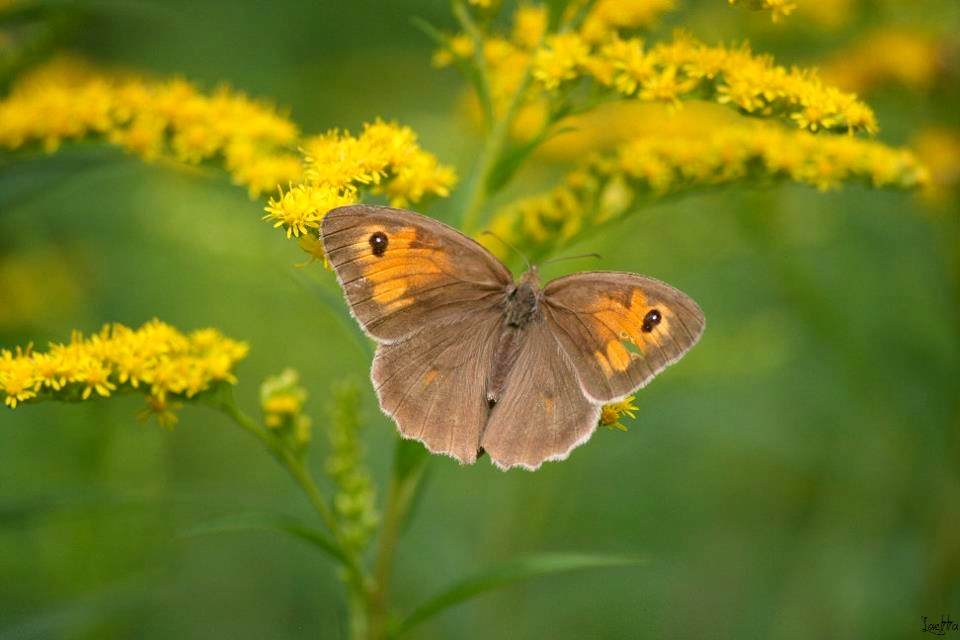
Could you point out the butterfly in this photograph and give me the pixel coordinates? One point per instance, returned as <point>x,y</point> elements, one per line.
<point>470,361</point>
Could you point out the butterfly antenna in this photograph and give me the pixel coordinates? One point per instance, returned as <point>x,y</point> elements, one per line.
<point>510,246</point>
<point>583,255</point>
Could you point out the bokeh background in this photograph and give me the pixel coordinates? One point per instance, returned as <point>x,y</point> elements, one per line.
<point>797,475</point>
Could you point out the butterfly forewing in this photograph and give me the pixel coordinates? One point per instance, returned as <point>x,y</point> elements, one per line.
<point>620,329</point>
<point>401,271</point>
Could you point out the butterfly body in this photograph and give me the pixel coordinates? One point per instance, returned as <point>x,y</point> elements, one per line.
<point>521,307</point>
<point>470,361</point>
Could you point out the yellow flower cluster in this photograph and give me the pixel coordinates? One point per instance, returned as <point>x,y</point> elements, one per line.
<point>608,185</point>
<point>561,56</point>
<point>779,9</point>
<point>909,57</point>
<point>666,72</point>
<point>155,359</point>
<point>733,76</point>
<point>68,100</point>
<point>611,413</point>
<point>824,162</point>
<point>282,398</point>
<point>385,158</point>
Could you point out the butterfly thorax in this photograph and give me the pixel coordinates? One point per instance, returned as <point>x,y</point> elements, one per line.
<point>521,308</point>
<point>523,300</point>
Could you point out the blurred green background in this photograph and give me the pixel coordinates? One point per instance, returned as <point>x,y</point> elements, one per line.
<point>797,475</point>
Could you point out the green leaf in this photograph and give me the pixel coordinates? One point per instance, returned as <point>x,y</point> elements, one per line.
<point>509,572</point>
<point>269,522</point>
<point>435,35</point>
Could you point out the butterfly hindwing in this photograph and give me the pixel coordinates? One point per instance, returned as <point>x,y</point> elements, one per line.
<point>432,384</point>
<point>543,413</point>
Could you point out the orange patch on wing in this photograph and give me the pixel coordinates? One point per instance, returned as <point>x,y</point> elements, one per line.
<point>617,323</point>
<point>404,267</point>
<point>428,377</point>
<point>604,363</point>
<point>638,300</point>
<point>548,406</point>
<point>618,356</point>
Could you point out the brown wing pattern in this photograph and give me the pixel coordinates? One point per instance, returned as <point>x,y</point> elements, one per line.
<point>400,270</point>
<point>432,384</point>
<point>543,413</point>
<point>620,329</point>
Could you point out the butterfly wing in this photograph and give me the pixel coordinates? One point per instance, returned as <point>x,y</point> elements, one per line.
<point>433,300</point>
<point>543,414</point>
<point>432,383</point>
<point>401,271</point>
<point>620,329</point>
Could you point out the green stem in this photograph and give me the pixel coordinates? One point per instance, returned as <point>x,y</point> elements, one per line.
<point>383,571</point>
<point>358,583</point>
<point>490,155</point>
<point>405,482</point>
<point>479,77</point>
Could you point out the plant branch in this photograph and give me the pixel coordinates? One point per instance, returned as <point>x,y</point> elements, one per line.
<point>409,466</point>
<point>356,577</point>
<point>489,157</point>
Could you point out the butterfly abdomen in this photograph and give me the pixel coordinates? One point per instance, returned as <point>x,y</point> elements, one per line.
<point>522,307</point>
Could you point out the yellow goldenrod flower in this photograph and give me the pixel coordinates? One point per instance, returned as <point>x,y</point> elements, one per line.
<point>302,207</point>
<point>459,47</point>
<point>163,410</point>
<point>671,71</point>
<point>737,77</point>
<point>155,359</point>
<point>779,9</point>
<point>385,158</point>
<point>610,414</point>
<point>420,176</point>
<point>557,61</point>
<point>629,64</point>
<point>282,398</point>
<point>69,100</point>
<point>694,148</point>
<point>18,377</point>
<point>529,25</point>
